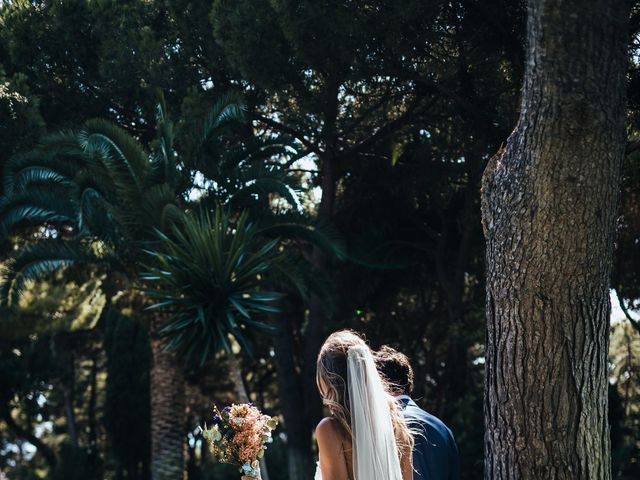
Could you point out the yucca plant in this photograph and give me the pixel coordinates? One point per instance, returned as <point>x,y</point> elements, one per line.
<point>207,275</point>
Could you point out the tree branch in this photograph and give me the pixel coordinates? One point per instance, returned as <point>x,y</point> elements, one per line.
<point>20,432</point>
<point>291,131</point>
<point>367,113</point>
<point>382,132</point>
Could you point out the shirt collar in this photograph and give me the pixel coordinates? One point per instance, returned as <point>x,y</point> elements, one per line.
<point>404,400</point>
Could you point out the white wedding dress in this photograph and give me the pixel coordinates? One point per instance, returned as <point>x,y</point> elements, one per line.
<point>375,453</point>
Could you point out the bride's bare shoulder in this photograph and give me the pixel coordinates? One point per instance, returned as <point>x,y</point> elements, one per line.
<point>330,436</point>
<point>329,431</point>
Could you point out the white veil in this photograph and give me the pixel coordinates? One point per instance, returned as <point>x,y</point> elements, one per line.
<point>375,452</point>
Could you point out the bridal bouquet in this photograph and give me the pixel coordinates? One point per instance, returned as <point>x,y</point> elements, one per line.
<point>239,435</point>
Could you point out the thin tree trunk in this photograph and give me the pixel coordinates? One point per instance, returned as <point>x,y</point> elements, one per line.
<point>451,275</point>
<point>68,392</point>
<point>94,453</point>
<point>290,391</point>
<point>318,317</point>
<point>235,369</point>
<point>549,209</point>
<point>167,410</point>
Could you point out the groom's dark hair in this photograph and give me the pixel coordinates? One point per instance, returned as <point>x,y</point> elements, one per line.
<point>395,367</point>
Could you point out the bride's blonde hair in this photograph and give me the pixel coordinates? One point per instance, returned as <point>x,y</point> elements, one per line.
<point>331,378</point>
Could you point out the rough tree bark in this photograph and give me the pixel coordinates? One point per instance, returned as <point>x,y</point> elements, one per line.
<point>167,410</point>
<point>549,209</point>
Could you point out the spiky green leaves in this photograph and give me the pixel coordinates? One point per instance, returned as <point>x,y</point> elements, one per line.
<point>207,274</point>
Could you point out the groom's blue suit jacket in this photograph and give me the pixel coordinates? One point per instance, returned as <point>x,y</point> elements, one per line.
<point>435,455</point>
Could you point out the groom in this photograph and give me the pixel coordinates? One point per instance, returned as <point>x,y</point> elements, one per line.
<point>435,454</point>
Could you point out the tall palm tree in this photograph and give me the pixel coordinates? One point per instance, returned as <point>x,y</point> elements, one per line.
<point>97,197</point>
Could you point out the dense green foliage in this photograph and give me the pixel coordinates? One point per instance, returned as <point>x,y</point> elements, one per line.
<point>351,134</point>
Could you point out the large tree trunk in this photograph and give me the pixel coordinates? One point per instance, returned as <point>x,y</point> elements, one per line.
<point>549,209</point>
<point>167,410</point>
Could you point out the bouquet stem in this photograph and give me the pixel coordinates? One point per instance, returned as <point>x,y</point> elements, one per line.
<point>251,470</point>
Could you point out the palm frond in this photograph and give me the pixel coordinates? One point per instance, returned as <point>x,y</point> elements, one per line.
<point>40,166</point>
<point>38,176</point>
<point>99,218</point>
<point>123,155</point>
<point>96,178</point>
<point>37,260</point>
<point>229,108</point>
<point>36,206</point>
<point>163,160</point>
<point>262,190</point>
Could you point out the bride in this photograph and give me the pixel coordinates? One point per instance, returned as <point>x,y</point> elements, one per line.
<point>366,437</point>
